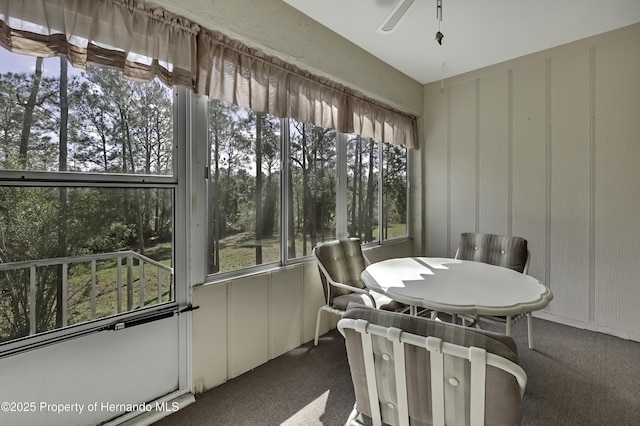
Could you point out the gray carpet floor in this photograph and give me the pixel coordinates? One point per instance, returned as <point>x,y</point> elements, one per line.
<point>575,377</point>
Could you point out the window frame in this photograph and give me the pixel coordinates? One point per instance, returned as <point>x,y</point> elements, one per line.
<point>181,112</point>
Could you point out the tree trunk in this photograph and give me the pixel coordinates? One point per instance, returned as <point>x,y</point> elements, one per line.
<point>62,165</point>
<point>128,151</point>
<point>28,113</point>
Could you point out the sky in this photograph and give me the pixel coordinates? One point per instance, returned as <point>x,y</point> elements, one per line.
<point>13,62</point>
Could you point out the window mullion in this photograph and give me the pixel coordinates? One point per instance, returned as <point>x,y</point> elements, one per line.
<point>285,133</point>
<point>341,187</point>
<point>381,192</point>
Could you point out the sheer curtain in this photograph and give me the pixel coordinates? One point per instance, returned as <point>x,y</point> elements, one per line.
<point>124,34</point>
<point>229,70</point>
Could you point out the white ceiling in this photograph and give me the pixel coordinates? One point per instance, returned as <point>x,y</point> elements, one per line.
<point>477,33</point>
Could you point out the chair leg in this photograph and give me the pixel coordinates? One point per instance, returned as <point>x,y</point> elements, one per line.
<point>508,325</point>
<point>530,329</point>
<point>315,341</point>
<point>352,416</point>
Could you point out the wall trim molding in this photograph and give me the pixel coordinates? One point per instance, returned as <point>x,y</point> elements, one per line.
<point>591,326</point>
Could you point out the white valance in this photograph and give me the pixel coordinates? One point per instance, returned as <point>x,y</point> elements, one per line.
<point>229,70</point>
<point>144,43</point>
<point>147,42</point>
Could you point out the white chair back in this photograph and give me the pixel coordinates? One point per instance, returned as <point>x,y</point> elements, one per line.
<point>449,388</point>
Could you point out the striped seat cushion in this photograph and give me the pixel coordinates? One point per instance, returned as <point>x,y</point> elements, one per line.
<point>503,401</point>
<point>507,251</point>
<point>382,301</point>
<point>344,262</point>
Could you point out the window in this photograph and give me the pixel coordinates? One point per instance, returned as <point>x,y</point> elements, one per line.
<point>86,195</point>
<point>244,188</point>
<point>312,187</point>
<point>88,186</point>
<point>394,190</point>
<point>273,189</point>
<point>362,188</point>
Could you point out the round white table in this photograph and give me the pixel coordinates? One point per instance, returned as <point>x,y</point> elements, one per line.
<point>457,287</point>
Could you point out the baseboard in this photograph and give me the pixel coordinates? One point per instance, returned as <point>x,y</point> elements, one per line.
<point>588,326</point>
<point>160,408</point>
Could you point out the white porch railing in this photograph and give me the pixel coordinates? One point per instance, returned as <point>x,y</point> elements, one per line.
<point>126,263</point>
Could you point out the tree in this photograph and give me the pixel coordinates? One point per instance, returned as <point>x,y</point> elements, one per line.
<point>96,122</point>
<point>11,118</point>
<point>62,208</point>
<point>312,160</point>
<point>266,153</point>
<point>229,146</point>
<point>372,191</point>
<point>363,186</point>
<point>395,186</point>
<point>28,112</point>
<point>270,159</point>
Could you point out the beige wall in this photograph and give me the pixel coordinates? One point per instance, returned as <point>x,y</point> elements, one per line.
<point>245,322</point>
<point>547,147</point>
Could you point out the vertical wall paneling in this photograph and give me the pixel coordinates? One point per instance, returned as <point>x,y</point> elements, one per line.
<point>285,310</point>
<point>462,140</point>
<point>510,151</point>
<point>547,198</point>
<point>477,155</point>
<point>617,183</point>
<point>435,170</point>
<point>570,183</point>
<point>448,162</point>
<point>529,161</point>
<point>592,184</point>
<point>493,154</point>
<point>569,119</point>
<point>209,336</point>
<point>313,298</point>
<point>248,320</point>
<point>416,202</point>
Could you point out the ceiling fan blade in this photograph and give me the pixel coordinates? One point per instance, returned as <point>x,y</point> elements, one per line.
<point>395,15</point>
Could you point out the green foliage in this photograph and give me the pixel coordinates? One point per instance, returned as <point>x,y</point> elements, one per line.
<point>115,126</point>
<point>395,184</point>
